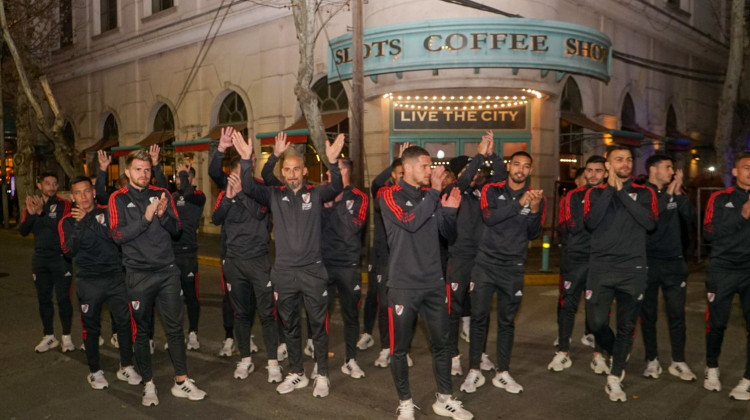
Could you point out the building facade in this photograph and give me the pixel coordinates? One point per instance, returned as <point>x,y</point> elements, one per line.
<point>173,72</point>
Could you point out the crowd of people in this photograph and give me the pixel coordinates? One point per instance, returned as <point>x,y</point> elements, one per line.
<point>445,240</point>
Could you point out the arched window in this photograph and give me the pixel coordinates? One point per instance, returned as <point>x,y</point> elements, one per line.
<point>110,130</point>
<point>164,121</point>
<point>69,136</point>
<point>671,126</point>
<point>571,135</point>
<point>570,99</point>
<point>627,115</point>
<point>331,97</point>
<point>232,110</point>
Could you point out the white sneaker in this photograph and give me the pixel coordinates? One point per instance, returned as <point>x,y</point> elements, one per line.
<point>464,335</point>
<point>227,348</point>
<point>711,379</point>
<point>588,340</point>
<point>560,362</point>
<point>114,341</point>
<point>682,371</point>
<point>274,373</point>
<point>188,390</point>
<point>67,344</point>
<point>599,365</point>
<point>291,382</point>
<point>365,341</point>
<point>244,368</point>
<point>281,352</point>
<point>456,366</point>
<point>614,389</point>
<point>409,362</point>
<point>253,346</point>
<point>504,381</point>
<point>149,397</point>
<point>352,369</point>
<point>741,391</point>
<point>314,373</point>
<point>129,375</point>
<point>450,407</point>
<point>486,363</point>
<point>384,358</point>
<point>310,348</point>
<point>322,387</point>
<point>101,343</point>
<point>152,345</point>
<point>192,342</point>
<point>473,380</point>
<point>653,369</point>
<point>97,380</point>
<point>405,410</point>
<point>466,328</point>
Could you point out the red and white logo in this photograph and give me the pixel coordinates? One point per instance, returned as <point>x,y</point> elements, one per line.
<point>152,199</point>
<point>589,293</point>
<point>100,218</point>
<point>52,208</point>
<point>567,284</point>
<point>229,287</point>
<point>349,204</point>
<point>399,309</point>
<point>711,296</point>
<point>135,304</point>
<point>380,278</point>
<point>454,286</point>
<point>306,198</point>
<point>275,296</point>
<point>85,308</point>
<point>477,193</point>
<point>634,196</point>
<point>471,286</point>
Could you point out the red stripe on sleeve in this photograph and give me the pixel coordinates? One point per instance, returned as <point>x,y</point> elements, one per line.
<point>218,199</point>
<point>362,214</point>
<point>391,204</point>
<point>708,218</point>
<point>483,203</point>
<point>61,234</point>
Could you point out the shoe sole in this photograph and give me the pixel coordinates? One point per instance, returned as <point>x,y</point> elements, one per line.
<point>615,399</point>
<point>560,368</point>
<point>187,396</point>
<point>149,404</point>
<point>274,380</point>
<point>346,372</point>
<point>99,389</point>
<point>714,389</point>
<point>456,373</point>
<point>479,383</point>
<point>68,349</point>
<point>440,411</point>
<point>679,375</point>
<point>296,387</point>
<point>126,379</point>
<point>193,347</point>
<point>381,365</point>
<point>501,386</point>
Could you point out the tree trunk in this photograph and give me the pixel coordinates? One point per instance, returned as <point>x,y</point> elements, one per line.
<point>357,103</point>
<point>3,168</point>
<point>304,21</point>
<point>24,157</point>
<point>728,101</point>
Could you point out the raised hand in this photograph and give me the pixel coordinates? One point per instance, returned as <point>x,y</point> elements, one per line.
<point>38,203</point>
<point>452,200</point>
<point>104,160</point>
<point>333,150</point>
<point>77,213</point>
<point>161,206</point>
<point>525,199</point>
<point>151,210</point>
<point>487,145</point>
<point>679,177</point>
<point>437,176</point>
<point>225,140</point>
<point>280,144</point>
<point>153,151</point>
<point>30,204</point>
<point>183,167</point>
<point>401,147</point>
<point>536,200</point>
<point>612,178</point>
<point>244,149</point>
<point>234,185</point>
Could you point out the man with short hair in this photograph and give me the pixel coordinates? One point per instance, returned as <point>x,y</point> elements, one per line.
<point>726,226</point>
<point>143,218</point>
<point>619,215</point>
<point>415,217</point>
<point>513,213</point>
<point>574,266</point>
<point>343,220</point>
<point>666,267</point>
<point>298,275</point>
<point>50,269</point>
<point>84,236</point>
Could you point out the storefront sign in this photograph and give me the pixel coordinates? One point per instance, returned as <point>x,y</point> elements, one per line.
<point>476,43</point>
<point>506,119</point>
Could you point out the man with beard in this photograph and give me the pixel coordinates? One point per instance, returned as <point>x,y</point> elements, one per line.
<point>50,269</point>
<point>415,217</point>
<point>726,226</point>
<point>666,267</point>
<point>143,219</point>
<point>514,214</point>
<point>84,236</point>
<point>574,266</point>
<point>298,275</point>
<point>619,215</point>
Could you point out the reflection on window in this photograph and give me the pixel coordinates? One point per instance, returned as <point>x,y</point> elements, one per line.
<point>232,110</point>
<point>331,97</point>
<point>159,5</point>
<point>164,120</point>
<point>110,128</point>
<point>108,13</point>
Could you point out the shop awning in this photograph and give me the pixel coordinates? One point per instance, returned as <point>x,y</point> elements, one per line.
<point>679,143</point>
<point>583,121</point>
<point>124,150</point>
<point>627,138</point>
<point>102,144</point>
<point>648,134</point>
<point>215,132</point>
<point>297,133</point>
<point>198,145</point>
<point>157,137</point>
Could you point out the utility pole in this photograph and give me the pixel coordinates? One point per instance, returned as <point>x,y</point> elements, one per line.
<point>3,168</point>
<point>357,102</point>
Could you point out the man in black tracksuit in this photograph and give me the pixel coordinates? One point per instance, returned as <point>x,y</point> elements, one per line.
<point>470,227</point>
<point>666,267</point>
<point>343,221</point>
<point>246,264</point>
<point>513,213</point>
<point>84,236</point>
<point>415,217</point>
<point>143,218</point>
<point>50,269</point>
<point>726,225</point>
<point>298,275</point>
<point>574,266</point>
<point>619,214</point>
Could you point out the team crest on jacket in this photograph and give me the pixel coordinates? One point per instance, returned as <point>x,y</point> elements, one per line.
<point>711,296</point>
<point>471,286</point>
<point>454,286</point>
<point>306,204</point>
<point>477,194</point>
<point>349,204</point>
<point>52,208</point>
<point>634,196</point>
<point>100,218</point>
<point>85,308</point>
<point>152,199</point>
<point>275,296</point>
<point>380,278</point>
<point>135,304</point>
<point>589,292</point>
<point>181,201</point>
<point>399,309</point>
<point>229,287</point>
<point>567,284</point>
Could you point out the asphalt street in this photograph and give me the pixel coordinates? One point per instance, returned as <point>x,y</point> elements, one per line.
<point>52,385</point>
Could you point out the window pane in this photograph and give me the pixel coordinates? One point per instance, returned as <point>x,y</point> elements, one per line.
<point>441,150</point>
<point>66,23</point>
<point>470,149</point>
<point>232,110</point>
<point>510,148</point>
<point>110,128</point>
